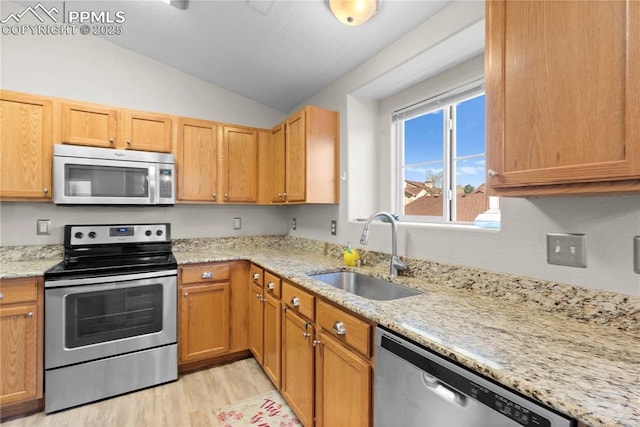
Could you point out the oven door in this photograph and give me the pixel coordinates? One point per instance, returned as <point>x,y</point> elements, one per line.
<point>88,319</point>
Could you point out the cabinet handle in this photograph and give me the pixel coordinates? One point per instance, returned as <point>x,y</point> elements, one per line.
<point>256,276</point>
<point>306,335</point>
<point>492,173</point>
<point>284,196</point>
<point>128,142</point>
<point>1,295</point>
<point>271,286</point>
<point>111,140</point>
<point>186,294</point>
<point>46,190</point>
<point>258,296</point>
<point>339,328</point>
<point>226,196</point>
<point>207,275</point>
<point>306,325</point>
<point>215,196</point>
<point>30,314</point>
<point>295,301</point>
<point>316,342</point>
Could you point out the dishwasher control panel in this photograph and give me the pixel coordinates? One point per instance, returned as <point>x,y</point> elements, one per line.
<point>509,408</point>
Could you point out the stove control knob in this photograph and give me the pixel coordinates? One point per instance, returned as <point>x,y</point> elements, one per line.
<point>78,235</point>
<point>147,233</point>
<point>92,234</point>
<point>159,232</point>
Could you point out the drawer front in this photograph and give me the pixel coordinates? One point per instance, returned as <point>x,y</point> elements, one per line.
<point>18,290</point>
<point>256,275</point>
<point>272,284</point>
<point>204,273</point>
<point>299,300</point>
<point>345,327</point>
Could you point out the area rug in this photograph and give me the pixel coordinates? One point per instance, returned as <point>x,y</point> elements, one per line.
<point>265,410</point>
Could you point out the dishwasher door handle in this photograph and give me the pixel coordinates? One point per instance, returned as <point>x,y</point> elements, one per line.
<point>443,390</point>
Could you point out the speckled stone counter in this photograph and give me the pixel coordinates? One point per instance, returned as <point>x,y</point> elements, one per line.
<point>28,261</point>
<point>576,350</point>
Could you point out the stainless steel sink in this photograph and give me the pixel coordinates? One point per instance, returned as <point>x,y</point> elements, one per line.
<point>365,286</point>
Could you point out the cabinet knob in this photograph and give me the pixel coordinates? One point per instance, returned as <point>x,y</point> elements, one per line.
<point>316,342</point>
<point>256,276</point>
<point>46,190</point>
<point>207,275</point>
<point>186,294</point>
<point>1,295</point>
<point>226,196</point>
<point>492,173</point>
<point>215,196</point>
<point>30,314</point>
<point>128,142</point>
<point>339,328</point>
<point>258,296</point>
<point>305,335</point>
<point>271,286</point>
<point>111,140</point>
<point>295,301</point>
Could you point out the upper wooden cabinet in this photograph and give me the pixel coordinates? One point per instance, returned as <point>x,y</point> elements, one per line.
<point>563,97</point>
<point>239,167</point>
<point>108,127</point>
<point>25,144</point>
<point>196,160</point>
<point>147,131</point>
<point>304,158</point>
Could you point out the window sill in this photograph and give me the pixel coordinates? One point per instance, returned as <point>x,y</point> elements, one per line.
<point>435,226</point>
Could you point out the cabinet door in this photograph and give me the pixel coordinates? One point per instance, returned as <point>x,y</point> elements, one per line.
<point>196,161</point>
<point>239,339</point>
<point>563,97</point>
<point>240,164</point>
<point>204,321</point>
<point>277,165</point>
<point>84,124</point>
<point>147,132</point>
<point>25,144</point>
<point>295,159</point>
<point>272,320</point>
<point>298,366</point>
<point>256,324</point>
<point>343,386</point>
<point>18,353</point>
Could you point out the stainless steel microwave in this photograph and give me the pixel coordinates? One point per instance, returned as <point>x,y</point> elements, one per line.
<point>104,176</point>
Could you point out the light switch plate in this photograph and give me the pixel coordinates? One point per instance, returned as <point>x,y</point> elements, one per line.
<point>43,227</point>
<point>293,224</point>
<point>567,249</point>
<point>237,223</point>
<point>636,254</point>
<point>334,227</point>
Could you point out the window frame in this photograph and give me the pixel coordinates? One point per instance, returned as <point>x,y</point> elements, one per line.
<point>446,102</point>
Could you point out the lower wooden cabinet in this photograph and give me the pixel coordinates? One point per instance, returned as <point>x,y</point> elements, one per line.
<point>256,323</point>
<point>343,385</point>
<point>272,318</point>
<point>298,365</point>
<point>204,296</point>
<point>21,340</point>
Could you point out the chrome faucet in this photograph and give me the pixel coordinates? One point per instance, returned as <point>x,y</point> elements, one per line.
<point>395,264</point>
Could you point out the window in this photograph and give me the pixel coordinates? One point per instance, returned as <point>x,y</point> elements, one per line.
<point>441,147</point>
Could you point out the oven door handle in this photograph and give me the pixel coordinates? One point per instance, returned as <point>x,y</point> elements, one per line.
<point>65,283</point>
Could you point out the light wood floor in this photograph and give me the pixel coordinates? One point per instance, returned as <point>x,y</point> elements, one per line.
<point>188,402</point>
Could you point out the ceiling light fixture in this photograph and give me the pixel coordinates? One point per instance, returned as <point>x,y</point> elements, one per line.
<point>180,4</point>
<point>354,12</point>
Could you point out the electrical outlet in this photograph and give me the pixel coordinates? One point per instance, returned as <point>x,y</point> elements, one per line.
<point>567,249</point>
<point>334,227</point>
<point>293,224</point>
<point>237,223</point>
<point>43,227</point>
<point>636,254</point>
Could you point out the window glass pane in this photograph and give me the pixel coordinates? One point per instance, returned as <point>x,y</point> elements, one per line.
<point>471,198</point>
<point>423,138</point>
<point>470,127</point>
<point>423,194</point>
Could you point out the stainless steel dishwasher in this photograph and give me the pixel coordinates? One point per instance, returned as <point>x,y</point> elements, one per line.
<point>415,387</point>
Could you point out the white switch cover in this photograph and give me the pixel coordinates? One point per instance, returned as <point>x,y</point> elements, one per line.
<point>43,227</point>
<point>237,223</point>
<point>567,249</point>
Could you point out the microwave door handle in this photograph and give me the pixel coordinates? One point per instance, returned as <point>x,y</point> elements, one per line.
<point>153,183</point>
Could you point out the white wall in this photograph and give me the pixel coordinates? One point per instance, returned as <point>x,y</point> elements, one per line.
<point>519,248</point>
<point>90,69</point>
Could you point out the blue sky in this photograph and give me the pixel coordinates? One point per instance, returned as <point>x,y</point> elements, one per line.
<point>423,143</point>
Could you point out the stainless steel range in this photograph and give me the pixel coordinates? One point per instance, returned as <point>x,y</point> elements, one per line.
<point>110,313</point>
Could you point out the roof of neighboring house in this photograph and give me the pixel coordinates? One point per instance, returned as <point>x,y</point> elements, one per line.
<point>468,206</point>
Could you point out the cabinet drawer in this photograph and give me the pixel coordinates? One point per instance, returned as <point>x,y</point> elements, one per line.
<point>273,284</point>
<point>255,275</point>
<point>18,290</point>
<point>204,273</point>
<point>299,300</point>
<point>345,327</point>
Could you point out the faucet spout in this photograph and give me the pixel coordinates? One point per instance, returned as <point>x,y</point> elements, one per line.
<point>395,264</point>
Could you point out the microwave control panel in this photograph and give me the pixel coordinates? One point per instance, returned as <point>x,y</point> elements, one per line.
<point>166,183</point>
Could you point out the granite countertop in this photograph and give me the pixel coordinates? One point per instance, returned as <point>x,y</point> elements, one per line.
<point>583,369</point>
